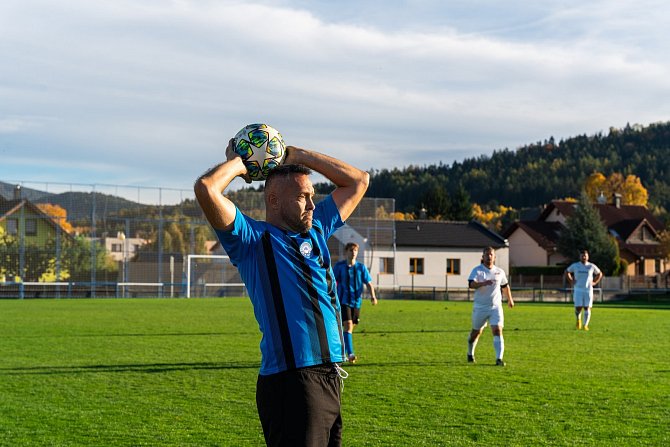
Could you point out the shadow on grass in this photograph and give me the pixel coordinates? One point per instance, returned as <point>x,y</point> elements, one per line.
<point>154,334</point>
<point>465,330</point>
<point>418,364</point>
<point>140,368</point>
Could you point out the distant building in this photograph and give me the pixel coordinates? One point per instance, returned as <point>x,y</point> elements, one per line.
<point>33,230</point>
<point>22,218</point>
<point>436,254</point>
<point>122,247</point>
<point>635,228</point>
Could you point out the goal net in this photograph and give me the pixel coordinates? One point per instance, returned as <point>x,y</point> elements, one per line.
<point>212,276</point>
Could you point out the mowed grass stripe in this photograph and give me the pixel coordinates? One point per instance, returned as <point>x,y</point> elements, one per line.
<point>176,372</point>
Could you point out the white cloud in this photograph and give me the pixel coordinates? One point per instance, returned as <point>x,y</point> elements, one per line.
<point>153,89</point>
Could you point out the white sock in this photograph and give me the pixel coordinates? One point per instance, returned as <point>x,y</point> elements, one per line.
<point>471,346</point>
<point>499,346</point>
<point>587,317</point>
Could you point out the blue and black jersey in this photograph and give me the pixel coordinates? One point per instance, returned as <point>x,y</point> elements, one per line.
<point>350,281</point>
<point>290,281</point>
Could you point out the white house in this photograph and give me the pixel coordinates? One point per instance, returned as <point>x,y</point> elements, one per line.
<point>123,248</point>
<point>432,254</point>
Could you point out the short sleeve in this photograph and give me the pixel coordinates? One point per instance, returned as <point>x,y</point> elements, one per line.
<point>328,216</point>
<point>238,240</point>
<point>366,274</point>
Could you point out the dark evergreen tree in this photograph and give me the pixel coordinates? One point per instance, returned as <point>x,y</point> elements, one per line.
<point>461,205</point>
<point>585,230</point>
<point>434,203</point>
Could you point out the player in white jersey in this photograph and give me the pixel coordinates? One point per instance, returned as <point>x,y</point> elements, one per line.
<point>583,276</point>
<point>488,281</point>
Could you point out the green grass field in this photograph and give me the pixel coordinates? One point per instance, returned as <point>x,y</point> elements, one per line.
<point>178,372</point>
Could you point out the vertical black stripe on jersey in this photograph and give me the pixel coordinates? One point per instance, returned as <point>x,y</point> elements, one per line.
<point>278,300</point>
<point>356,276</point>
<point>332,292</point>
<point>348,283</point>
<point>314,299</point>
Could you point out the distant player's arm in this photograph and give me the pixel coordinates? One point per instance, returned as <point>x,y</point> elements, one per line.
<point>373,295</point>
<point>219,211</point>
<point>508,292</point>
<point>569,276</point>
<point>476,285</point>
<point>597,279</point>
<point>351,182</point>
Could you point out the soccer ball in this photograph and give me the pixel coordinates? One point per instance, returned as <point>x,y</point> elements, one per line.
<point>262,149</point>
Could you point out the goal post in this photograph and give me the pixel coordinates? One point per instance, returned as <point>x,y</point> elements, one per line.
<point>209,275</point>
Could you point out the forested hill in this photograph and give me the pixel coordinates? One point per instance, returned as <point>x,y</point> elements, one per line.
<point>535,174</point>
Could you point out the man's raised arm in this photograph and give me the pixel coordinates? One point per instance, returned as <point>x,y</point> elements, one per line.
<point>351,182</point>
<point>219,211</point>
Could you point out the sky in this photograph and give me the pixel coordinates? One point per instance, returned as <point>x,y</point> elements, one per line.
<point>146,93</point>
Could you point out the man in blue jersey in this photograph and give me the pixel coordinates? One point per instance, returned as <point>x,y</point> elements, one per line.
<point>286,266</point>
<point>489,281</point>
<point>583,276</point>
<point>351,275</point>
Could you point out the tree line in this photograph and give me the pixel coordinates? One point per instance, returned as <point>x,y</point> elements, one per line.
<point>533,175</point>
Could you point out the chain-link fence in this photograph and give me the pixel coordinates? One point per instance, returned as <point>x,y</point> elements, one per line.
<point>73,240</point>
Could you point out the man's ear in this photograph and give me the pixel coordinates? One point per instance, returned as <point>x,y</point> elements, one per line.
<point>273,200</point>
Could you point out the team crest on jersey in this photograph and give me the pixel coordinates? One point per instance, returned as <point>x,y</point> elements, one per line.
<point>306,249</point>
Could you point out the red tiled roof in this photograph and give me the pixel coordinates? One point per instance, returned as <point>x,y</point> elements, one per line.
<point>544,233</point>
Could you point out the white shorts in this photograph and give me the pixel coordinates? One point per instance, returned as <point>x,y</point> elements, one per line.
<point>494,315</point>
<point>583,297</point>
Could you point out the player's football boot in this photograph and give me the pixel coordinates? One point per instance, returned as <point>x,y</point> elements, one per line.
<point>471,359</point>
<point>352,358</point>
<point>586,328</point>
<point>579,324</point>
<point>500,362</point>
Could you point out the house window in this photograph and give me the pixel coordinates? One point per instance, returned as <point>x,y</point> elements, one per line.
<point>416,266</point>
<point>386,265</point>
<point>117,248</point>
<point>31,227</point>
<point>640,267</point>
<point>657,265</point>
<point>453,266</point>
<point>12,227</point>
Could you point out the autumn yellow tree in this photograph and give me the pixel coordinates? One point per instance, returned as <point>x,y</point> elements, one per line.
<point>595,185</point>
<point>493,218</point>
<point>381,213</point>
<point>57,214</point>
<point>633,192</point>
<point>630,187</point>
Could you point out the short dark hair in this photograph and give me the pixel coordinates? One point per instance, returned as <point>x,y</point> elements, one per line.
<point>489,248</point>
<point>283,171</point>
<point>350,245</point>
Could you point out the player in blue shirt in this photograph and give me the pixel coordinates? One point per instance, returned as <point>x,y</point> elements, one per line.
<point>286,267</point>
<point>351,276</point>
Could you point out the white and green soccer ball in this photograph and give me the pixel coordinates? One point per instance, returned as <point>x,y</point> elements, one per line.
<point>262,149</point>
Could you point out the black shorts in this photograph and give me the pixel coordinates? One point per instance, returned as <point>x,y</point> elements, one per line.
<point>301,407</point>
<point>351,313</point>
